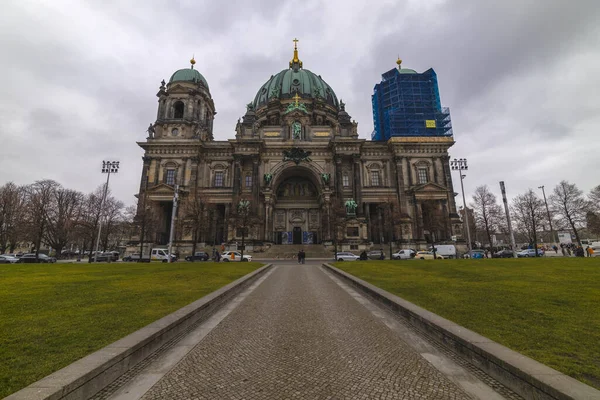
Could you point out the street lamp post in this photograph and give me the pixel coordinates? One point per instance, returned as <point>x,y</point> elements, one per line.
<point>108,167</point>
<point>461,165</point>
<point>173,216</point>
<point>548,212</point>
<point>243,210</point>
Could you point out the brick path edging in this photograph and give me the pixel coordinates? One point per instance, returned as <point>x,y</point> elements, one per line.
<point>525,376</point>
<point>87,376</point>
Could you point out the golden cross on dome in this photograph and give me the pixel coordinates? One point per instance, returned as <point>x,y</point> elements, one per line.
<point>295,42</point>
<point>296,98</point>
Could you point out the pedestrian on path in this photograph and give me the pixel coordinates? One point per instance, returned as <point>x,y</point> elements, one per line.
<point>217,256</point>
<point>302,256</point>
<point>299,256</point>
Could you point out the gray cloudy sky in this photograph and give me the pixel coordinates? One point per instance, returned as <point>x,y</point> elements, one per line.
<point>520,77</point>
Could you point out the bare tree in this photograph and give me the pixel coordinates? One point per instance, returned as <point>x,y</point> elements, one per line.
<point>112,217</point>
<point>568,204</point>
<point>12,208</point>
<point>196,218</point>
<point>392,221</point>
<point>528,212</point>
<point>243,217</point>
<point>336,220</point>
<point>62,217</point>
<point>488,213</point>
<point>594,198</point>
<point>39,200</point>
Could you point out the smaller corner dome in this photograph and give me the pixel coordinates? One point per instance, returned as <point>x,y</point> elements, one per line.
<point>188,75</point>
<point>407,71</point>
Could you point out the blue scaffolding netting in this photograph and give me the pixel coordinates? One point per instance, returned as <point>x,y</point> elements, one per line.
<point>407,103</point>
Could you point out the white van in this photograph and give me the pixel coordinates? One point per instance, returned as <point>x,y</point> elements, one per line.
<point>445,250</point>
<point>161,255</point>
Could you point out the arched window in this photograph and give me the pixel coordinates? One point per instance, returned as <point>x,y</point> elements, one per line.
<point>346,180</point>
<point>178,109</point>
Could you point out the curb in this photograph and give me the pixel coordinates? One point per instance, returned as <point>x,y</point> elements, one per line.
<point>87,376</point>
<point>525,376</point>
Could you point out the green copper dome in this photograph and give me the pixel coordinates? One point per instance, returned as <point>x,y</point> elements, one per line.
<point>288,82</point>
<point>407,71</point>
<point>188,75</point>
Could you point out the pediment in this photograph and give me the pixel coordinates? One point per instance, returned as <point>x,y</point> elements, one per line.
<point>161,188</point>
<point>429,187</point>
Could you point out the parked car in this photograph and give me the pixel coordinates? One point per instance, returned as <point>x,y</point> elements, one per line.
<point>346,256</point>
<point>235,256</point>
<point>427,255</point>
<point>15,255</point>
<point>135,257</point>
<point>162,255</point>
<point>475,254</point>
<point>530,253</point>
<point>131,257</point>
<point>406,254</point>
<point>445,250</point>
<point>102,257</point>
<point>503,254</point>
<point>30,258</point>
<point>198,256</point>
<point>376,255</point>
<point>6,259</point>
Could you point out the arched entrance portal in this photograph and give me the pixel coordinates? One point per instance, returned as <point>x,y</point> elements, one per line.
<point>297,210</point>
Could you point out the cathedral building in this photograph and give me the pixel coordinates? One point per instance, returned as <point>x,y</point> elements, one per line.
<point>299,166</point>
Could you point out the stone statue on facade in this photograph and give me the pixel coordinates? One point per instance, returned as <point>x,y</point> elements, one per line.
<point>268,178</point>
<point>326,178</point>
<point>151,131</point>
<point>296,130</point>
<point>351,207</point>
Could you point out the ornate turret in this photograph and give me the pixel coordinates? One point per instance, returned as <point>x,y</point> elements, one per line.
<point>295,64</point>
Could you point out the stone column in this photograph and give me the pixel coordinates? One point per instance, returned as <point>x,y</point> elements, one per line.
<point>157,170</point>
<point>448,183</point>
<point>181,180</point>
<point>255,182</point>
<point>339,188</point>
<point>236,184</point>
<point>401,189</point>
<point>380,223</point>
<point>357,184</point>
<point>226,222</point>
<point>145,172</point>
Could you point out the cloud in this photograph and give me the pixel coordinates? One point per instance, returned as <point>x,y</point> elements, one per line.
<point>80,78</point>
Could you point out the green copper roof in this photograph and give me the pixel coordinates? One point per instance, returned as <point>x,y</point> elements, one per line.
<point>407,71</point>
<point>291,81</point>
<point>188,75</point>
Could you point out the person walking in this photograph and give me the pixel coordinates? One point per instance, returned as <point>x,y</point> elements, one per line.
<point>217,256</point>
<point>303,255</point>
<point>299,256</point>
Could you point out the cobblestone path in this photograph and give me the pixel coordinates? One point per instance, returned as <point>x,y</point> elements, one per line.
<point>300,336</point>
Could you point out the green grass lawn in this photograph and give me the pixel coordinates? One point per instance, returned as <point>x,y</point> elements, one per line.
<point>547,309</point>
<point>52,315</point>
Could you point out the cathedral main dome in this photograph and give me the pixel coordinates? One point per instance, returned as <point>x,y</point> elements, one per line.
<point>295,80</point>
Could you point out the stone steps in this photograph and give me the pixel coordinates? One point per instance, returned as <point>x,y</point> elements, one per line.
<point>290,251</point>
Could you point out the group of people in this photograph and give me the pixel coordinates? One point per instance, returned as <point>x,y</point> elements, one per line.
<point>574,249</point>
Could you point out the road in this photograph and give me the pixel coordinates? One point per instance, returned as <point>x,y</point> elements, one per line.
<point>299,333</point>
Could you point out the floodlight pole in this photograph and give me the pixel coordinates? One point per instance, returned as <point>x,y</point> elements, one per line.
<point>460,165</point>
<point>173,215</point>
<point>510,231</point>
<point>548,212</point>
<point>108,167</point>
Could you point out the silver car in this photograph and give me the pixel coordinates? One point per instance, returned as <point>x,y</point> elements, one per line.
<point>6,259</point>
<point>403,255</point>
<point>346,256</point>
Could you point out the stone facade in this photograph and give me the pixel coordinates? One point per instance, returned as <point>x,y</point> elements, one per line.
<point>297,158</point>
